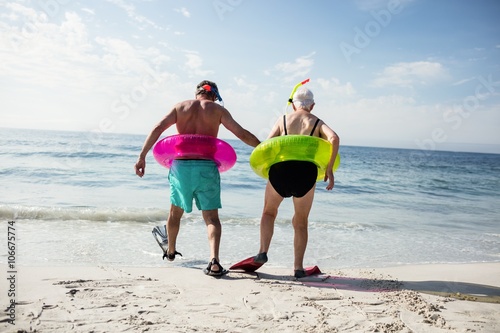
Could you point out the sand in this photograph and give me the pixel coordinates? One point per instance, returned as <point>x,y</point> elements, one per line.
<point>429,298</point>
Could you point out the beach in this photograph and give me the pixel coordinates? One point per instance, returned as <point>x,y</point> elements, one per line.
<point>407,241</point>
<point>422,298</point>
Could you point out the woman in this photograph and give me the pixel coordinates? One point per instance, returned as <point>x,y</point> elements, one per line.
<point>296,179</point>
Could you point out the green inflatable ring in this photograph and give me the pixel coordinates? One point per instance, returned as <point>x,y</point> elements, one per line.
<point>292,148</point>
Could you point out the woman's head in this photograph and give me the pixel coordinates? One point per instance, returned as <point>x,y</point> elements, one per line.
<point>303,98</point>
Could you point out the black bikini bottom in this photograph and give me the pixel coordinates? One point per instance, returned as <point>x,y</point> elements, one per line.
<point>293,178</point>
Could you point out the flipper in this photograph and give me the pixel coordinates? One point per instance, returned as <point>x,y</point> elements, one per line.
<point>308,271</point>
<point>247,265</point>
<point>313,270</point>
<point>160,234</point>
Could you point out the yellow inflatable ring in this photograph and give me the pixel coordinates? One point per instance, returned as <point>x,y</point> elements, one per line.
<point>292,148</point>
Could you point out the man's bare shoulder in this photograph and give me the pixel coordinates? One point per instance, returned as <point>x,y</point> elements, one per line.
<point>187,104</point>
<point>206,104</point>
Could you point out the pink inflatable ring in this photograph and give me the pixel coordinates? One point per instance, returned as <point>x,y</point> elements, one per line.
<point>194,147</point>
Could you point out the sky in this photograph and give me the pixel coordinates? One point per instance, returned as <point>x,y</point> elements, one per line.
<point>418,74</point>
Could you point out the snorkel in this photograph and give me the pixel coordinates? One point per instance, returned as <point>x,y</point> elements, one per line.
<point>290,99</point>
<point>295,89</point>
<point>208,87</point>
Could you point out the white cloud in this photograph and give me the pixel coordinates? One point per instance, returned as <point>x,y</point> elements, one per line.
<point>242,82</point>
<point>335,88</point>
<point>24,13</point>
<point>194,61</point>
<point>88,11</point>
<point>65,56</point>
<point>183,11</point>
<point>49,55</point>
<point>193,65</point>
<point>296,69</point>
<point>59,74</point>
<point>132,13</point>
<point>407,74</point>
<point>460,82</point>
<point>75,32</point>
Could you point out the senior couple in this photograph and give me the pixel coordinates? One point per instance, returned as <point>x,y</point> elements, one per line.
<point>296,179</point>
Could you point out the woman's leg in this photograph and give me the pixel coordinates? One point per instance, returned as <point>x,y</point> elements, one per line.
<point>272,201</point>
<point>302,207</point>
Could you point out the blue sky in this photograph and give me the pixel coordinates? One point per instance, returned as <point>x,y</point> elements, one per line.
<point>413,74</point>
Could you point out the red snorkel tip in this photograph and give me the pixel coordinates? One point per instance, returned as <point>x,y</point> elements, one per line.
<point>207,87</point>
<point>305,81</point>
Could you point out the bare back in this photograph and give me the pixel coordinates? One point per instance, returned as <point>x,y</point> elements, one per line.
<point>198,117</point>
<point>203,116</point>
<point>297,123</point>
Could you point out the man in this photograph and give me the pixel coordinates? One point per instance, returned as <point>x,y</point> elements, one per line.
<point>295,179</point>
<point>198,116</point>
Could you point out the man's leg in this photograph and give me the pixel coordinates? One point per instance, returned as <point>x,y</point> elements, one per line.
<point>272,201</point>
<point>214,230</point>
<point>302,207</point>
<point>173,226</point>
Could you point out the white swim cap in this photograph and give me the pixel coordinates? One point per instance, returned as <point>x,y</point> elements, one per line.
<point>303,98</point>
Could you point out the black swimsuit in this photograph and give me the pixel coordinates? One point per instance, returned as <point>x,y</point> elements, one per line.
<point>293,178</point>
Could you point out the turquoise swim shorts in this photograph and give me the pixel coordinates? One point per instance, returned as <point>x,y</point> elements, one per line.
<point>194,179</point>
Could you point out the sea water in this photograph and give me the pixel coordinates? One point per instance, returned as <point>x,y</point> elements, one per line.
<point>75,200</point>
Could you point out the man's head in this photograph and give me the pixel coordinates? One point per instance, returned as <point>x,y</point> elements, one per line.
<point>209,89</point>
<point>303,98</point>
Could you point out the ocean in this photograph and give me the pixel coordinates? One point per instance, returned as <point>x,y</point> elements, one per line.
<point>72,198</point>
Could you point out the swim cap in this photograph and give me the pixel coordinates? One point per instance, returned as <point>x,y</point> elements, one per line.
<point>303,97</point>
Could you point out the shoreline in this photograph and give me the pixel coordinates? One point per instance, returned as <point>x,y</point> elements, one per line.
<point>411,298</point>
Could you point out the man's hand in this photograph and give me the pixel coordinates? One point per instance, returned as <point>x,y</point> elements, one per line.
<point>140,167</point>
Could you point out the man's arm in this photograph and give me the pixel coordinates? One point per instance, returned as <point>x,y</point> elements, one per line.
<point>241,133</point>
<point>153,136</point>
